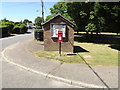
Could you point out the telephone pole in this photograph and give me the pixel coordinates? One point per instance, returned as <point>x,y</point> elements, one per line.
<point>42,11</point>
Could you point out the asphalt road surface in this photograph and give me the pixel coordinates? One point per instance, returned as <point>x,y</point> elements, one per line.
<point>15,77</point>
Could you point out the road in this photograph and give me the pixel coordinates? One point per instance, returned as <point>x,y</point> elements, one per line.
<point>15,77</point>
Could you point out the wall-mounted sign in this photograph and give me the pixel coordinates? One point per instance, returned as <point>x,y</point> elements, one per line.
<point>58,27</point>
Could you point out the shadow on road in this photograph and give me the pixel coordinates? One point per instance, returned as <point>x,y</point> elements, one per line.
<point>5,36</point>
<point>94,72</point>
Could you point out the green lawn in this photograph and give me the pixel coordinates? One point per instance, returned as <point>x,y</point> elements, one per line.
<point>99,54</point>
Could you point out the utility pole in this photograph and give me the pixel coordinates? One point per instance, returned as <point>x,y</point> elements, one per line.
<point>42,12</point>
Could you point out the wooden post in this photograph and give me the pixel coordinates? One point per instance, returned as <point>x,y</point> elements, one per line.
<point>60,48</point>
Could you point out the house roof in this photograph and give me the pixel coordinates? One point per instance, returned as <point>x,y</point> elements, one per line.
<point>59,15</point>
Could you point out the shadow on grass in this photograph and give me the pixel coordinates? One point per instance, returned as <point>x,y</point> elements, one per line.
<point>71,54</point>
<point>78,49</point>
<point>114,46</point>
<point>114,40</point>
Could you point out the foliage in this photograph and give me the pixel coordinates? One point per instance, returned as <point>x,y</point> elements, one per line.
<point>20,28</point>
<point>23,28</point>
<point>38,27</point>
<point>16,29</point>
<point>60,7</point>
<point>105,15</point>
<point>90,28</point>
<point>6,26</point>
<point>48,17</point>
<point>26,21</point>
<point>38,21</point>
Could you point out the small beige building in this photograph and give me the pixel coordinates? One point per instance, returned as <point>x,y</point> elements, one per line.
<point>51,28</point>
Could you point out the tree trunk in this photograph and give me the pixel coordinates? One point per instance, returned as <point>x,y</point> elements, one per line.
<point>91,33</point>
<point>96,33</point>
<point>77,32</point>
<point>87,33</point>
<point>117,33</point>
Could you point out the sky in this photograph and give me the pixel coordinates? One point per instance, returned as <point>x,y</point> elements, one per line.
<point>17,11</point>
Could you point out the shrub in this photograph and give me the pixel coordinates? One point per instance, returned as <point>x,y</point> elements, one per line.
<point>16,29</point>
<point>6,28</point>
<point>20,28</point>
<point>4,31</point>
<point>23,28</point>
<point>38,27</point>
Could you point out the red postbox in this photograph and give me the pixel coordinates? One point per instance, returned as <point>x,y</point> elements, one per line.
<point>60,36</point>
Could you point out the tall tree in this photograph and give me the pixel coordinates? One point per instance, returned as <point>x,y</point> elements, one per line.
<point>60,7</point>
<point>107,16</point>
<point>49,17</point>
<point>79,11</point>
<point>38,21</point>
<point>100,16</point>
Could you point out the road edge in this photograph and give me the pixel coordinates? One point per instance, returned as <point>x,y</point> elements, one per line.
<point>72,82</point>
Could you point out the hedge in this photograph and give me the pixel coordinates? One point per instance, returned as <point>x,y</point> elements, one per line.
<point>20,28</point>
<point>6,28</point>
<point>4,31</point>
<point>23,29</point>
<point>38,27</point>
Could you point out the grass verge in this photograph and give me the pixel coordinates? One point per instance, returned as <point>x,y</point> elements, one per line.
<point>98,54</point>
<point>65,57</point>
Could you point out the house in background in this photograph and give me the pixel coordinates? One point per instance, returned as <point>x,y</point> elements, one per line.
<point>31,25</point>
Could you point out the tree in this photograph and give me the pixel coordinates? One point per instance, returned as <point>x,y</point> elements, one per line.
<point>38,21</point>
<point>90,28</point>
<point>49,17</point>
<point>60,7</point>
<point>107,16</point>
<point>79,12</point>
<point>115,17</point>
<point>104,16</point>
<point>30,21</point>
<point>5,20</point>
<point>25,21</point>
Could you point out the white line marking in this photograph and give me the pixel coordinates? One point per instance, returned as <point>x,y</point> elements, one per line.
<point>77,83</point>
